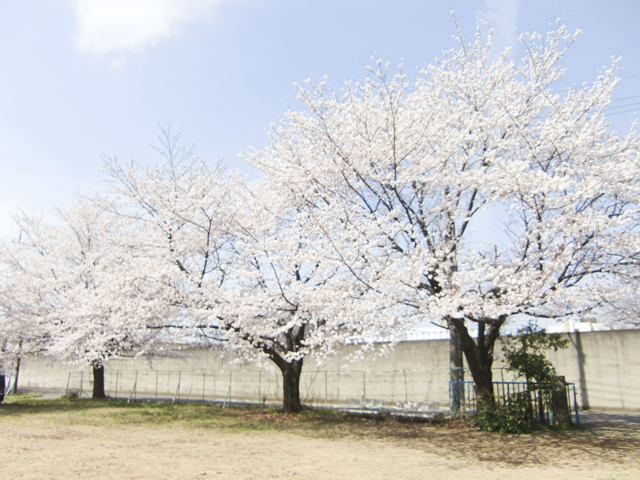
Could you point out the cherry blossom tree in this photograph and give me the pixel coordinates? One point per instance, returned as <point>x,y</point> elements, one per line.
<point>75,281</point>
<point>620,300</point>
<point>22,301</point>
<point>182,211</point>
<point>103,312</point>
<point>233,257</point>
<point>482,191</point>
<point>283,302</point>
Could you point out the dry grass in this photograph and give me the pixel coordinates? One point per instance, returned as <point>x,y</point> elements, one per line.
<point>112,439</point>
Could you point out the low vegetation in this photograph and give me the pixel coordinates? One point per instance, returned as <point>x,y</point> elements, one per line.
<point>525,355</point>
<point>98,439</point>
<point>74,411</point>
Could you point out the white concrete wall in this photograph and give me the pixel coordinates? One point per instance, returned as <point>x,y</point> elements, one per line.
<point>605,367</point>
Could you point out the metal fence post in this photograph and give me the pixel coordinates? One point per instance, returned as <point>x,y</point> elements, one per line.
<point>177,394</point>
<point>157,372</point>
<point>133,390</point>
<point>224,405</point>
<point>66,387</point>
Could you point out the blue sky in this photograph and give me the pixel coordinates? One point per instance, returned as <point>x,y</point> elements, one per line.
<point>85,78</point>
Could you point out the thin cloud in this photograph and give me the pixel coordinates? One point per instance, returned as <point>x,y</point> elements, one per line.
<point>502,16</point>
<point>106,27</point>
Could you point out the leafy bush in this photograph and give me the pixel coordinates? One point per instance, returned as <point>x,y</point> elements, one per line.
<point>512,416</point>
<point>524,354</point>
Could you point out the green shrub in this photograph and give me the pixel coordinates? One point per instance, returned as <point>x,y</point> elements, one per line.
<point>510,417</point>
<point>524,354</point>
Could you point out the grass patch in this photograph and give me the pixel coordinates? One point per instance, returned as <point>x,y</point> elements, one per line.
<point>318,423</point>
<point>72,411</point>
<point>22,396</point>
<point>311,423</point>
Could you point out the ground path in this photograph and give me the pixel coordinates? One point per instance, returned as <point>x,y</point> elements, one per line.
<point>122,443</point>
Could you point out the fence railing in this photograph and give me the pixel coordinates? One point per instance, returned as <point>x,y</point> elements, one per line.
<point>541,403</point>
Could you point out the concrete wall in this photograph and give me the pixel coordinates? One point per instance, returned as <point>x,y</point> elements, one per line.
<point>605,367</point>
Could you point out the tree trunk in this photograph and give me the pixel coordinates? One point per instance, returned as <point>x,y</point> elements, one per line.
<point>290,370</point>
<point>290,383</point>
<point>15,381</point>
<point>456,372</point>
<point>98,381</point>
<point>291,386</point>
<point>18,362</point>
<point>479,355</point>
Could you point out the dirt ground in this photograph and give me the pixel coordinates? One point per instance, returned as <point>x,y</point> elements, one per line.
<point>43,444</point>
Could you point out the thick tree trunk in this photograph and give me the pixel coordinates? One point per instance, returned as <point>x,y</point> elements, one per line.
<point>290,382</point>
<point>98,381</point>
<point>479,355</point>
<point>290,370</point>
<point>291,386</point>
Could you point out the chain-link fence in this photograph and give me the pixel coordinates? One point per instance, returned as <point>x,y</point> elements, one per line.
<point>320,387</point>
<point>317,387</point>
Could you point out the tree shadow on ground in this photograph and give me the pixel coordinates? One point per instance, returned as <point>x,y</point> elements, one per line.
<point>18,407</point>
<point>602,442</point>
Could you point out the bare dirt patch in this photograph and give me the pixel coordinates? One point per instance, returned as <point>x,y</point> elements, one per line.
<point>91,440</point>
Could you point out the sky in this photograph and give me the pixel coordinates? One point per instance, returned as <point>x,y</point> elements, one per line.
<point>85,79</point>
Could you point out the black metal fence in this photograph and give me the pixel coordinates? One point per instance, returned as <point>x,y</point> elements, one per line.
<point>540,401</point>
